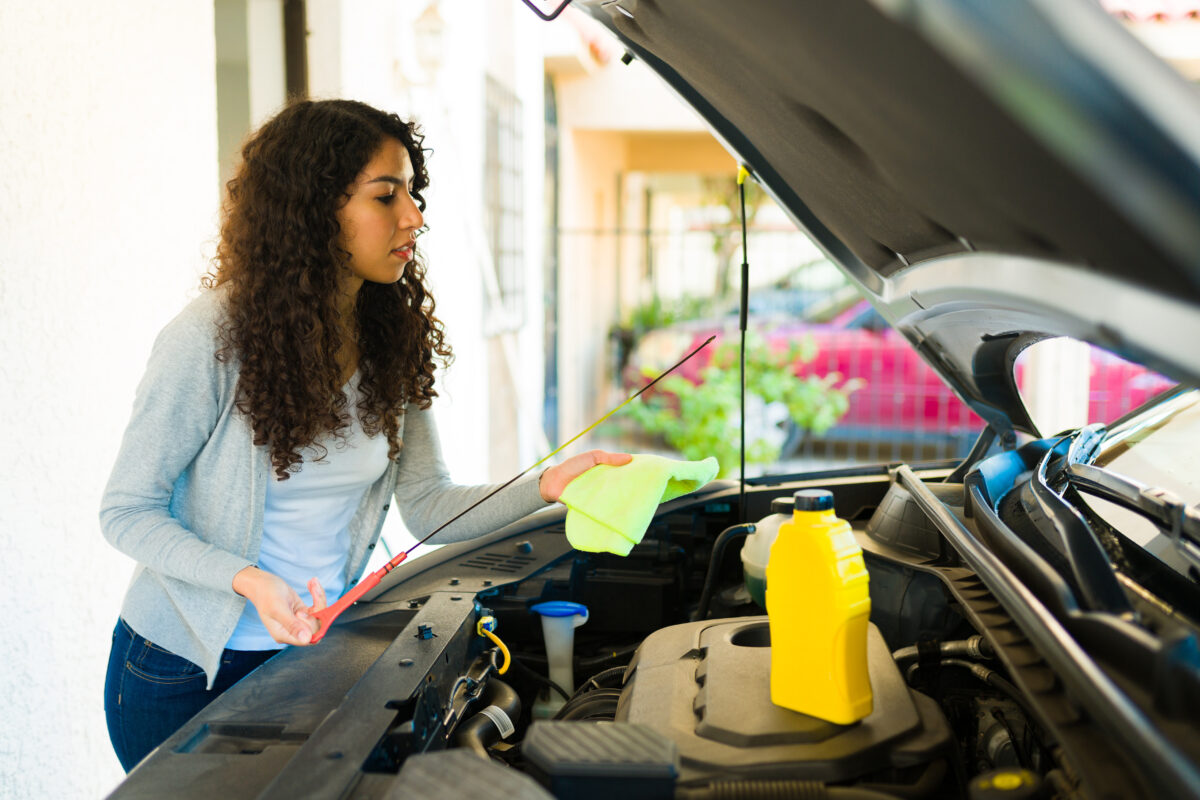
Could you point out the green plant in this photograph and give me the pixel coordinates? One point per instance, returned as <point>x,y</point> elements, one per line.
<point>701,419</point>
<point>650,315</point>
<point>657,313</point>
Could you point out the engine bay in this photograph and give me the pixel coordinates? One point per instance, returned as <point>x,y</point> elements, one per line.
<point>409,696</point>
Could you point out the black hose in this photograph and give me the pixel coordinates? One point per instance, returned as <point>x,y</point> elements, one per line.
<point>600,679</point>
<point>1013,693</point>
<point>539,678</point>
<point>583,664</point>
<point>495,722</point>
<point>988,676</point>
<point>714,564</point>
<point>974,647</point>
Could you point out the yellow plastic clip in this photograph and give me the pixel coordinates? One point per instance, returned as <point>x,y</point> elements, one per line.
<point>743,173</point>
<point>484,627</point>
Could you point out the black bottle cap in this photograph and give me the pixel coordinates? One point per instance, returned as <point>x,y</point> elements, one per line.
<point>813,500</point>
<point>782,505</point>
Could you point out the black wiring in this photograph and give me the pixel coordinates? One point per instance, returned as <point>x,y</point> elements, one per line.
<point>537,677</point>
<point>1023,758</point>
<point>599,680</point>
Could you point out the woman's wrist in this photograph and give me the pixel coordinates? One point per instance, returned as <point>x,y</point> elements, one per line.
<point>244,580</point>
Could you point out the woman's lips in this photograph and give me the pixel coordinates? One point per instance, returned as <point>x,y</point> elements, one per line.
<point>405,253</point>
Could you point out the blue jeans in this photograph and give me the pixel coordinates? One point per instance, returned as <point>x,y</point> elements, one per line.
<point>150,692</point>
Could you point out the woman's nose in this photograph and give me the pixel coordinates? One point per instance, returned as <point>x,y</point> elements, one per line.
<point>409,215</point>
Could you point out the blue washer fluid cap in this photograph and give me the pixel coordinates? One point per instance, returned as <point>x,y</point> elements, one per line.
<point>813,500</point>
<point>560,608</point>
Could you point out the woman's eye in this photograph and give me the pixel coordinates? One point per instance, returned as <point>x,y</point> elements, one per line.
<point>387,199</point>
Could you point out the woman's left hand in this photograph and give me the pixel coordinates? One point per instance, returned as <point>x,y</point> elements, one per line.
<point>556,478</point>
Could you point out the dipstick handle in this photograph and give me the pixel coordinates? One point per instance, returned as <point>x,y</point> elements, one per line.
<point>327,615</point>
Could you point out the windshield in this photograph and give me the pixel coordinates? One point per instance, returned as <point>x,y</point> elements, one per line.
<point>1159,447</point>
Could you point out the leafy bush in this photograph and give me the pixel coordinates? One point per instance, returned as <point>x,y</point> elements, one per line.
<point>658,313</point>
<point>701,420</point>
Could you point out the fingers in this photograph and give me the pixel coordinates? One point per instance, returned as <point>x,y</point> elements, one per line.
<point>281,610</point>
<point>294,632</point>
<point>299,628</point>
<point>586,461</point>
<point>555,479</point>
<point>612,459</point>
<point>302,633</point>
<point>318,594</point>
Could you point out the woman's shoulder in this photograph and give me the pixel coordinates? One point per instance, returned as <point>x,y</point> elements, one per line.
<point>198,325</point>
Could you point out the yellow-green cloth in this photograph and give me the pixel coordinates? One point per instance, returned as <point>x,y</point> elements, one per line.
<point>609,508</point>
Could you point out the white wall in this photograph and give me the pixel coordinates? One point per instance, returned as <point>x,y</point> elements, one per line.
<point>108,165</point>
<point>108,177</point>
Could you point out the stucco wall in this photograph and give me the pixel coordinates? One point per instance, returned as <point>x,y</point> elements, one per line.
<point>108,166</point>
<point>108,178</point>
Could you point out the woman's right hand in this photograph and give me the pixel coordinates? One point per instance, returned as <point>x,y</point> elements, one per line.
<point>283,613</point>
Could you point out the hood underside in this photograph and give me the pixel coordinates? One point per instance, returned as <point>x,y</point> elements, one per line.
<point>989,174</point>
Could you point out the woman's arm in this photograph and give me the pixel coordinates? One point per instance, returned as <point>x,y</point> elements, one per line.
<point>176,409</point>
<point>428,498</point>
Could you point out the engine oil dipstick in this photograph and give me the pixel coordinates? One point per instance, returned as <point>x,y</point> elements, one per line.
<point>327,615</point>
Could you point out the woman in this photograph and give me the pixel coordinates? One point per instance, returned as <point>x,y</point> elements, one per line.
<point>279,414</point>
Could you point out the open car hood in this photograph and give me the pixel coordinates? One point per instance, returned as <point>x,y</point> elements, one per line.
<point>989,174</point>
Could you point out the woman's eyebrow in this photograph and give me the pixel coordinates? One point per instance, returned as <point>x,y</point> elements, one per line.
<point>388,179</point>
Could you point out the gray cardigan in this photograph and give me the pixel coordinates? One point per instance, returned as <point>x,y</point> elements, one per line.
<point>186,495</point>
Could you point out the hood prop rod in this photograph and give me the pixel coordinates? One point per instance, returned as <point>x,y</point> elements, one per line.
<point>743,313</point>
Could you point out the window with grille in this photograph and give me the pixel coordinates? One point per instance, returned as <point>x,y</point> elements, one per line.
<point>502,194</point>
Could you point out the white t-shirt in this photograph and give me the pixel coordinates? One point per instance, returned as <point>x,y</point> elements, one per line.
<point>306,519</point>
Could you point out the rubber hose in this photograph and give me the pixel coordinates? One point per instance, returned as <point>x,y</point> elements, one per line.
<point>714,564</point>
<point>988,676</point>
<point>480,731</point>
<point>974,647</point>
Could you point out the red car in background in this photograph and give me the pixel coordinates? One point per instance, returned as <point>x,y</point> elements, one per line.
<point>903,404</point>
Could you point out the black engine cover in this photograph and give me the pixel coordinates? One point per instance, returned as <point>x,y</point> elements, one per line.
<point>705,686</point>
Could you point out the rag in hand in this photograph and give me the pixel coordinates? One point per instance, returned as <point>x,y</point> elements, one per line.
<point>609,508</point>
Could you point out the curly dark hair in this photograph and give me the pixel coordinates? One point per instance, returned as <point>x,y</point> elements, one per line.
<point>281,261</point>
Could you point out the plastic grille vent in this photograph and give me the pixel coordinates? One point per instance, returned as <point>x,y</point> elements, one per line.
<point>498,562</point>
<point>428,776</point>
<point>566,748</point>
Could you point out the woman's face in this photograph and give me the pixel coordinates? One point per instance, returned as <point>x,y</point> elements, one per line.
<point>380,219</point>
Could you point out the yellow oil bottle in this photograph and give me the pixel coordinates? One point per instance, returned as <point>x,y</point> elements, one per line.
<point>818,606</point>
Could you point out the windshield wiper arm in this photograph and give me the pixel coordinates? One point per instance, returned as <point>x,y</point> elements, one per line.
<point>1091,573</point>
<point>1165,509</point>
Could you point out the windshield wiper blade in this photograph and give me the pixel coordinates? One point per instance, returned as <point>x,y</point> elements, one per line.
<point>1175,518</point>
<point>1090,569</point>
